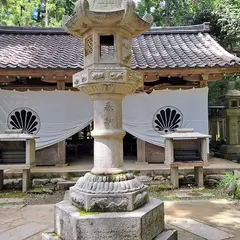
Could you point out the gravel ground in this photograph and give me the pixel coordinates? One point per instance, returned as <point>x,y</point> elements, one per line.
<point>32,199</point>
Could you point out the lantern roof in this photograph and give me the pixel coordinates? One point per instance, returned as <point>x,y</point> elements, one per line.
<point>106,13</point>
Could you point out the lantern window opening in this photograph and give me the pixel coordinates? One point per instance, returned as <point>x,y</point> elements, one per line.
<point>234,103</point>
<point>106,45</point>
<point>89,46</point>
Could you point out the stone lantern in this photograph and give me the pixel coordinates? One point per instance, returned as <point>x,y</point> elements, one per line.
<point>232,149</point>
<point>106,28</point>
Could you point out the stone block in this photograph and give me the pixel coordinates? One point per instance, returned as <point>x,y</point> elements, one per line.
<point>144,223</point>
<point>211,182</point>
<point>217,177</point>
<point>65,185</point>
<point>12,183</point>
<point>144,179</point>
<point>56,180</point>
<point>237,174</point>
<point>39,182</point>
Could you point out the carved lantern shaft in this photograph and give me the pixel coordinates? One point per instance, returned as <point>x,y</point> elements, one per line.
<point>106,28</point>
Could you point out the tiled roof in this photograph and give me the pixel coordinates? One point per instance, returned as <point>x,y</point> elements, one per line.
<point>159,48</point>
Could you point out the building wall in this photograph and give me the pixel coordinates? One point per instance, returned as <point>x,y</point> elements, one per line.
<point>51,156</point>
<point>154,154</point>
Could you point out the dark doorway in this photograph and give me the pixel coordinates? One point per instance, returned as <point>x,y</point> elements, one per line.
<point>80,145</point>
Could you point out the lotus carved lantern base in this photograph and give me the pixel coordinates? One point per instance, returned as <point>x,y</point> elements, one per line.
<point>108,193</point>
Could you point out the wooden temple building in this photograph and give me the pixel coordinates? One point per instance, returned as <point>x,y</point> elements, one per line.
<point>169,57</point>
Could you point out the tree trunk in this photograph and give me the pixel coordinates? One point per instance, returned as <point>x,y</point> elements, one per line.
<point>46,14</point>
<point>167,17</point>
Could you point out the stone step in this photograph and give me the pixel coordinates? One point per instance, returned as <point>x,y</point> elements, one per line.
<point>167,235</point>
<point>64,172</point>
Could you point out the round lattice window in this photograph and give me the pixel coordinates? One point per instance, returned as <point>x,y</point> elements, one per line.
<point>25,119</point>
<point>167,119</point>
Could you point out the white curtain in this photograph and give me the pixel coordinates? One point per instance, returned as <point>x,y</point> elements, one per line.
<point>139,111</point>
<point>60,114</point>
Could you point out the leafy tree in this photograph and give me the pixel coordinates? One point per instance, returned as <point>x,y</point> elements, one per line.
<point>34,12</point>
<point>227,14</point>
<point>165,12</point>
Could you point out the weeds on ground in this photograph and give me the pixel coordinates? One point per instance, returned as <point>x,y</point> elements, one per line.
<point>12,195</point>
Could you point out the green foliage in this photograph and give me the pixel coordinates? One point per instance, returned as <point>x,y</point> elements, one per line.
<point>223,15</point>
<point>218,89</point>
<point>20,12</point>
<point>165,12</point>
<point>227,14</point>
<point>228,180</point>
<point>237,193</point>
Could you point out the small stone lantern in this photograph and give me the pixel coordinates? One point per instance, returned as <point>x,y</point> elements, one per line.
<point>232,149</point>
<point>12,158</point>
<point>106,28</point>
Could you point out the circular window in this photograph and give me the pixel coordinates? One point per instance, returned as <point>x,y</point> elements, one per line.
<point>25,119</point>
<point>167,119</point>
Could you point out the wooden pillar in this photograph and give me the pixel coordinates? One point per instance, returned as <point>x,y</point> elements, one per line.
<point>169,156</point>
<point>1,179</point>
<point>61,151</point>
<point>204,153</point>
<point>198,172</point>
<point>141,152</point>
<point>26,180</point>
<point>214,130</point>
<point>60,85</point>
<point>61,146</point>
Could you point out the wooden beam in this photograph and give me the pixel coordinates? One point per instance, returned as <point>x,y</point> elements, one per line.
<point>184,72</point>
<point>29,87</point>
<point>38,72</point>
<point>35,88</point>
<point>55,79</point>
<point>7,79</point>
<point>169,86</point>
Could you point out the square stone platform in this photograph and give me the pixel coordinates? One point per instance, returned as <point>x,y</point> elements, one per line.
<point>145,223</point>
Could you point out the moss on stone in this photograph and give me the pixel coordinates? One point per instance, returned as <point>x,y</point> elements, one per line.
<point>37,190</point>
<point>53,234</point>
<point>111,177</point>
<point>202,190</point>
<point>136,172</point>
<point>237,193</point>
<point>84,213</point>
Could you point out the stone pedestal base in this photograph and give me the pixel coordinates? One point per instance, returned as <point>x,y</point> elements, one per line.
<point>231,152</point>
<point>145,223</point>
<point>108,193</point>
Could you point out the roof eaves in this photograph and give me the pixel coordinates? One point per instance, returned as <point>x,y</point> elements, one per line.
<point>205,27</point>
<point>32,30</point>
